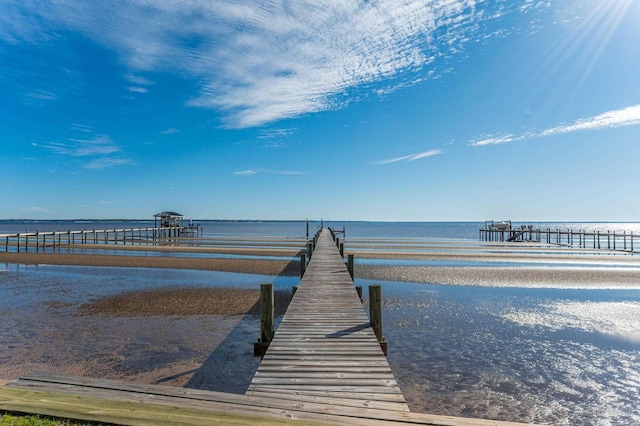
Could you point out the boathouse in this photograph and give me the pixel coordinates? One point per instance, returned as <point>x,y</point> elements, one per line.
<point>168,219</point>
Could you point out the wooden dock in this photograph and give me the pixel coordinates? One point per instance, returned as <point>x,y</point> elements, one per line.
<point>325,347</point>
<point>623,241</point>
<point>40,241</point>
<point>324,365</point>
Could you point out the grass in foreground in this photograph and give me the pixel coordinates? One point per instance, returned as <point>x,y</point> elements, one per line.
<point>7,419</point>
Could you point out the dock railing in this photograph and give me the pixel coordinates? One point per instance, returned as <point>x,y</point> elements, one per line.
<point>625,241</point>
<point>40,241</point>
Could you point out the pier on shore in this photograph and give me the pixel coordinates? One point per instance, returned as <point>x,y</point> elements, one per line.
<point>625,241</point>
<point>55,240</point>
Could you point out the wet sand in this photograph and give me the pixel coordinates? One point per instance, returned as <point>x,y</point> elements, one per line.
<point>248,266</point>
<point>180,302</point>
<point>191,336</point>
<point>505,276</point>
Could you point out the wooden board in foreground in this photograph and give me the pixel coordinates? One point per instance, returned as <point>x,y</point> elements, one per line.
<point>119,412</point>
<point>115,402</point>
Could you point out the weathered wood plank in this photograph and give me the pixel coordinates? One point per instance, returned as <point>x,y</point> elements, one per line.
<point>325,343</point>
<point>139,404</point>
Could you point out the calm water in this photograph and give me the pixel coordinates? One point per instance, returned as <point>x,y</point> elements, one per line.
<point>556,356</point>
<point>421,230</point>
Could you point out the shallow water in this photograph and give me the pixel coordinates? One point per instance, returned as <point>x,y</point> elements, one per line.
<point>537,355</point>
<point>499,264</point>
<point>558,356</point>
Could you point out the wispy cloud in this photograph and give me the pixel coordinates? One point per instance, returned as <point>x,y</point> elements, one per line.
<point>495,140</point>
<point>251,172</point>
<point>629,116</point>
<point>275,133</point>
<point>410,157</point>
<point>138,80</point>
<point>259,62</point>
<point>42,95</point>
<point>36,209</point>
<point>136,89</point>
<point>100,151</point>
<point>99,145</point>
<point>170,131</point>
<point>108,162</point>
<point>140,84</point>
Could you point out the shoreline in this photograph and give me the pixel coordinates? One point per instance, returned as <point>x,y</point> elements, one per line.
<point>248,266</point>
<point>532,275</point>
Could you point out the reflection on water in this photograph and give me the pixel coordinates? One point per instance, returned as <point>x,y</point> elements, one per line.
<point>536,355</point>
<point>557,356</point>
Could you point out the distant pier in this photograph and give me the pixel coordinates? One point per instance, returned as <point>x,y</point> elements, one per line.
<point>625,241</point>
<point>53,240</point>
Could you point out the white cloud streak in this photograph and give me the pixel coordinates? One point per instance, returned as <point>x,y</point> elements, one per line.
<point>100,151</point>
<point>251,172</point>
<point>108,162</point>
<point>259,61</point>
<point>629,116</point>
<point>136,89</point>
<point>411,157</point>
<point>36,209</point>
<point>99,145</point>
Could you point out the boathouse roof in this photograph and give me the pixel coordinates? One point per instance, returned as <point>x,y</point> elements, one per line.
<point>168,214</point>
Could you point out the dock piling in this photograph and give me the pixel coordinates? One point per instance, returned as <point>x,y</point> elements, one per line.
<point>267,322</point>
<point>375,311</point>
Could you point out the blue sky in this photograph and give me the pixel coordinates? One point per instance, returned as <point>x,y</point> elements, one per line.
<point>392,110</point>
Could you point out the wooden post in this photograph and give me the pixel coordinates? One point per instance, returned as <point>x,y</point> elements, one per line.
<point>293,290</point>
<point>37,241</point>
<point>310,249</point>
<point>342,250</point>
<point>303,264</point>
<point>26,243</point>
<point>350,265</point>
<point>267,322</point>
<point>375,311</point>
<point>359,291</point>
<point>18,243</point>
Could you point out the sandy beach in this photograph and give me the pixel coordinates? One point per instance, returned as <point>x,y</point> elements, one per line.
<point>530,275</point>
<point>249,266</point>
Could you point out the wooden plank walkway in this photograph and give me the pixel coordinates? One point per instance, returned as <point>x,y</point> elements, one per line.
<point>325,347</point>
<point>115,402</point>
